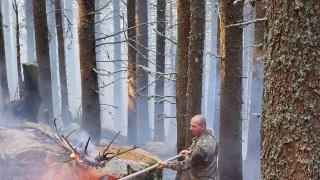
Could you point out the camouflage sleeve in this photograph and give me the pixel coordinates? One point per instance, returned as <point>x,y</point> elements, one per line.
<point>180,165</point>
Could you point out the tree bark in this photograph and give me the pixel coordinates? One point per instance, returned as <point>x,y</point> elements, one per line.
<point>42,46</point>
<point>65,113</point>
<point>195,65</point>
<point>132,103</point>
<point>159,134</point>
<point>144,133</point>
<point>183,11</point>
<point>290,132</point>
<point>230,139</point>
<point>3,67</point>
<point>90,97</point>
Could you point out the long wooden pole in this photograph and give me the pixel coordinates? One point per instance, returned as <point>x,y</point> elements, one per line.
<point>149,168</point>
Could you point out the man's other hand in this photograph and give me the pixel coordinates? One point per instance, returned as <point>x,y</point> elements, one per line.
<point>162,165</point>
<point>184,152</point>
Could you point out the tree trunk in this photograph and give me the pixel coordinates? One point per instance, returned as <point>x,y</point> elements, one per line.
<point>159,134</point>
<point>256,69</point>
<point>42,46</point>
<point>132,103</point>
<point>196,45</point>
<point>90,97</point>
<point>53,52</point>
<point>183,11</point>
<point>31,98</point>
<point>117,86</point>
<point>65,113</point>
<point>144,133</point>
<point>230,139</point>
<point>212,68</point>
<point>290,132</point>
<point>30,31</point>
<point>3,67</point>
<point>20,83</point>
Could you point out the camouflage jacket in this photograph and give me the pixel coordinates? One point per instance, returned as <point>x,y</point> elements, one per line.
<point>202,159</point>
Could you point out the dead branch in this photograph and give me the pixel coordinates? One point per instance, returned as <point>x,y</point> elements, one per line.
<point>247,22</point>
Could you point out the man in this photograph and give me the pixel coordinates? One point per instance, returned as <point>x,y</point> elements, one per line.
<point>201,157</point>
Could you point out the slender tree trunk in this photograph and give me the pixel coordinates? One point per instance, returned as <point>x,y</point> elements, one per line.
<point>256,68</point>
<point>89,80</point>
<point>172,132</point>
<point>30,31</point>
<point>195,68</point>
<point>42,46</point>
<point>212,67</point>
<point>144,133</point>
<point>117,86</point>
<point>132,103</point>
<point>290,132</point>
<point>65,114</point>
<point>20,83</point>
<point>8,39</point>
<point>159,134</point>
<point>53,52</point>
<point>230,147</point>
<point>183,10</point>
<point>3,68</point>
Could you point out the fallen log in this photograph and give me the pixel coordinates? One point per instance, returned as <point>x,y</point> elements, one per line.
<point>149,168</point>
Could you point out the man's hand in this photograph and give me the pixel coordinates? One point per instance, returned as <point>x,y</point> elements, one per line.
<point>184,152</point>
<point>162,165</point>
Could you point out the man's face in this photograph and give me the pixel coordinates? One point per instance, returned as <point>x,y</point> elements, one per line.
<point>195,127</point>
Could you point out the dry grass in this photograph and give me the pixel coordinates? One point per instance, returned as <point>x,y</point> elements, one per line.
<point>137,155</point>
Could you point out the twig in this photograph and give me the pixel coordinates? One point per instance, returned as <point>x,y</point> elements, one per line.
<point>247,23</point>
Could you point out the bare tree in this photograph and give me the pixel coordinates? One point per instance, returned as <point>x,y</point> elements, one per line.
<point>42,52</point>
<point>90,98</point>
<point>117,86</point>
<point>65,114</point>
<point>3,68</point>
<point>30,31</point>
<point>230,139</point>
<point>290,131</point>
<point>20,83</point>
<point>159,134</point>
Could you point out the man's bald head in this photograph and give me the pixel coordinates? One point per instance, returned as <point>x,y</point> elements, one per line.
<point>198,125</point>
<point>200,119</point>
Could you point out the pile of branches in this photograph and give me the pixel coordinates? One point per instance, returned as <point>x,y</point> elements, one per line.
<point>81,157</point>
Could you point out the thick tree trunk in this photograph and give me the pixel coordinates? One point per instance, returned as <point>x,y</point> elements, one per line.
<point>3,67</point>
<point>183,11</point>
<point>42,46</point>
<point>89,78</point>
<point>196,45</point>
<point>132,103</point>
<point>290,132</point>
<point>230,139</point>
<point>144,133</point>
<point>31,98</point>
<point>65,113</point>
<point>159,134</point>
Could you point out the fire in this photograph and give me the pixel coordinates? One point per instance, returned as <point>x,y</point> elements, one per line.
<point>76,157</point>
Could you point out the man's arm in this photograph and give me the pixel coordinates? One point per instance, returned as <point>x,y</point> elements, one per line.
<point>178,165</point>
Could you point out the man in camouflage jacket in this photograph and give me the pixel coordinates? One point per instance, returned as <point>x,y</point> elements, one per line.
<point>200,159</point>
